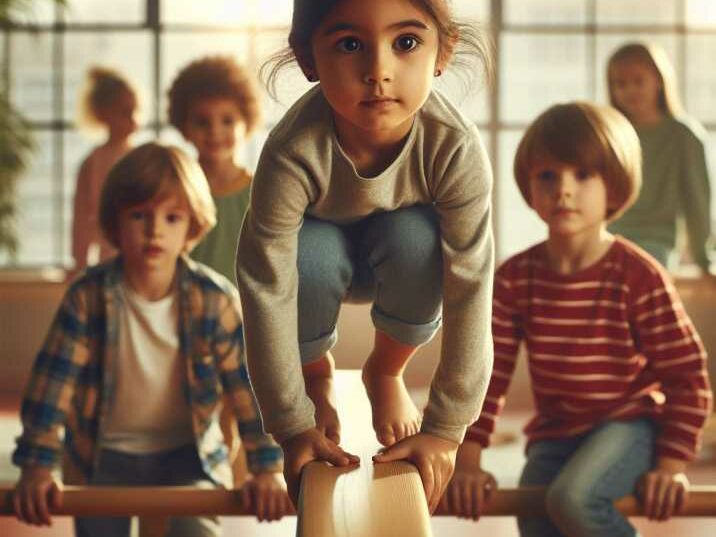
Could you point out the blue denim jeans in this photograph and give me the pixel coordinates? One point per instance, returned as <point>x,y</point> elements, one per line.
<point>584,475</point>
<point>392,259</point>
<point>170,468</point>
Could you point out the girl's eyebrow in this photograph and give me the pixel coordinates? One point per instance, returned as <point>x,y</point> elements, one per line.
<point>344,26</point>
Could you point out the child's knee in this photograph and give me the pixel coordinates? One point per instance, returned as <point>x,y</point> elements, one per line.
<point>570,506</point>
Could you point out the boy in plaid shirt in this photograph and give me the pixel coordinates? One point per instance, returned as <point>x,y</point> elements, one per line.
<point>137,359</point>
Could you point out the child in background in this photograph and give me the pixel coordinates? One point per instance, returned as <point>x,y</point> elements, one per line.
<point>135,363</point>
<point>643,87</point>
<point>618,373</point>
<point>109,102</point>
<point>215,104</point>
<point>372,188</point>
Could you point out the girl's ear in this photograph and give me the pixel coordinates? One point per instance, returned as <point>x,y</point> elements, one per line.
<point>305,62</point>
<point>445,53</point>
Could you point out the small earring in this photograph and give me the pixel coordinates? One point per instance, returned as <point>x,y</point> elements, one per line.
<point>438,72</point>
<point>311,77</point>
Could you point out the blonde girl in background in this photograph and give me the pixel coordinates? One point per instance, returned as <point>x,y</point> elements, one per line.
<point>372,188</point>
<point>642,85</point>
<point>109,102</point>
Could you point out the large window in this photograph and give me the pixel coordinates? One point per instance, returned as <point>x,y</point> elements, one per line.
<point>547,51</point>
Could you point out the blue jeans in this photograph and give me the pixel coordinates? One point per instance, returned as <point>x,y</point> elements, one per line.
<point>170,468</point>
<point>584,475</point>
<point>392,259</point>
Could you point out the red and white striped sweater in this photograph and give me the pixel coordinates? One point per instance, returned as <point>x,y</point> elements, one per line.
<point>610,342</point>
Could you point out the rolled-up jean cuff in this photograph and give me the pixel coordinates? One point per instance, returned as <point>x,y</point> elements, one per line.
<point>312,350</point>
<point>406,333</point>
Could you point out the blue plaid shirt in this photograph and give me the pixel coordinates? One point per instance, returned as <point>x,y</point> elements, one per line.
<point>72,379</point>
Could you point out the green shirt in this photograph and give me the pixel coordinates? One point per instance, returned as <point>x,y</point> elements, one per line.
<point>675,182</point>
<point>218,248</point>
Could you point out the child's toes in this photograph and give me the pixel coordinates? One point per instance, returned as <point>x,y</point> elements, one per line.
<point>386,435</point>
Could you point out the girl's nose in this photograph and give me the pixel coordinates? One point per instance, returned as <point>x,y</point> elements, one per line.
<point>565,184</point>
<point>378,68</point>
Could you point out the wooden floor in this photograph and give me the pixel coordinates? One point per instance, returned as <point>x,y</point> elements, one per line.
<point>504,461</point>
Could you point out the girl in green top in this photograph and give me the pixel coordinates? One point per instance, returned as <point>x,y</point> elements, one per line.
<point>642,86</point>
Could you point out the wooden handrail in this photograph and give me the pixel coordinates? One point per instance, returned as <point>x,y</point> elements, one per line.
<point>167,501</point>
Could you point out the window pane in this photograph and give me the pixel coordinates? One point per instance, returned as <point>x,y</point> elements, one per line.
<point>128,53</point>
<point>607,44</point>
<point>545,11</point>
<point>31,75</point>
<point>34,12</point>
<point>222,12</point>
<point>468,93</point>
<point>518,226</point>
<point>711,155</point>
<point>472,9</point>
<point>663,12</point>
<point>540,70</point>
<point>123,11</point>
<point>700,77</point>
<point>701,13</point>
<point>179,49</point>
<point>36,215</point>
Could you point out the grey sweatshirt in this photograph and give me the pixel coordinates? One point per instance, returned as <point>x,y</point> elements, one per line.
<point>303,170</point>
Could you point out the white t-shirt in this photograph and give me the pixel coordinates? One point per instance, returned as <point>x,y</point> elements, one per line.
<point>149,411</point>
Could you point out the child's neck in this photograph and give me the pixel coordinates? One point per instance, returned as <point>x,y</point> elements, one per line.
<point>224,176</point>
<point>569,254</point>
<point>371,152</point>
<point>151,284</point>
<point>648,118</point>
<point>117,142</point>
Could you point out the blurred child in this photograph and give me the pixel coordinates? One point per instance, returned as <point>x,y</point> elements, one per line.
<point>618,373</point>
<point>136,360</point>
<point>643,87</point>
<point>373,188</point>
<point>215,104</point>
<point>109,102</point>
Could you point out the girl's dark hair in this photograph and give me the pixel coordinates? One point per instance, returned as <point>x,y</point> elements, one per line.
<point>460,42</point>
<point>103,86</point>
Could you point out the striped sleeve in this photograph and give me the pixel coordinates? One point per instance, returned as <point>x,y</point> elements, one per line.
<point>55,373</point>
<point>506,335</point>
<point>666,336</point>
<point>262,452</point>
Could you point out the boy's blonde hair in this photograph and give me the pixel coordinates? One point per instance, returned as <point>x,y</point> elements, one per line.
<point>102,88</point>
<point>151,171</point>
<point>587,136</point>
<point>655,57</point>
<point>214,77</point>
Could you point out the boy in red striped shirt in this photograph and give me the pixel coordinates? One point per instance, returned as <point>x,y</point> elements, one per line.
<point>617,370</point>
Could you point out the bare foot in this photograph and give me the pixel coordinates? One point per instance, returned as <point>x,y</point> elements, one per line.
<point>395,416</point>
<point>318,377</point>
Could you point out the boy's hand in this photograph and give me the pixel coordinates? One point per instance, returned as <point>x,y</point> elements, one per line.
<point>468,493</point>
<point>36,492</point>
<point>310,445</point>
<point>664,490</point>
<point>265,494</point>
<point>433,456</point>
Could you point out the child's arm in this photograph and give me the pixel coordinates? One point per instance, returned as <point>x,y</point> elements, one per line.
<point>677,357</point>
<point>46,404</point>
<point>265,491</point>
<point>696,198</point>
<point>82,217</point>
<point>471,487</point>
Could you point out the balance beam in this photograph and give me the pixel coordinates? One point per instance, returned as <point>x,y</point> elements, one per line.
<point>334,502</point>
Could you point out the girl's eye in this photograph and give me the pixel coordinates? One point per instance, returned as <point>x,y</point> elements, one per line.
<point>228,120</point>
<point>173,218</point>
<point>583,175</point>
<point>406,43</point>
<point>349,45</point>
<point>136,215</point>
